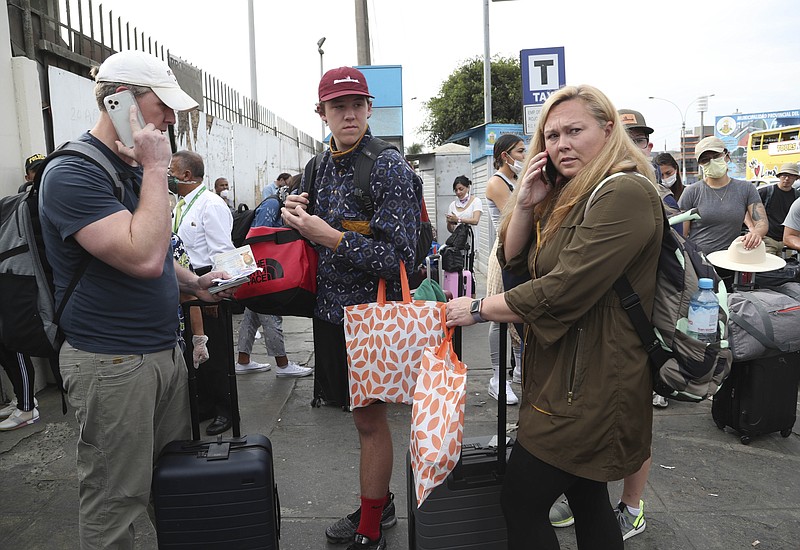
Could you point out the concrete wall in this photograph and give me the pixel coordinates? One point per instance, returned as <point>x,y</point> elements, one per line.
<point>21,128</point>
<point>248,158</point>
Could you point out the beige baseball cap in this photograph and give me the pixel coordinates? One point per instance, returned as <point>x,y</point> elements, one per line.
<point>142,69</point>
<point>710,143</point>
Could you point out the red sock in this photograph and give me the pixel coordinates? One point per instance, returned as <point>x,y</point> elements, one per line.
<point>370,524</point>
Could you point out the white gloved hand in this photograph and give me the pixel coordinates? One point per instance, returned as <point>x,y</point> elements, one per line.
<point>200,352</point>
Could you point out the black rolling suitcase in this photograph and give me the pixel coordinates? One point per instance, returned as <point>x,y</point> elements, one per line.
<point>759,397</point>
<point>464,512</point>
<point>218,494</point>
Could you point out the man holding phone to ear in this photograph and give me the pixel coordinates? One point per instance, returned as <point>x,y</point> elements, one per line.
<point>123,369</point>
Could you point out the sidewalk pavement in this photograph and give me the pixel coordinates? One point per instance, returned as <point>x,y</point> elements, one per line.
<point>706,490</point>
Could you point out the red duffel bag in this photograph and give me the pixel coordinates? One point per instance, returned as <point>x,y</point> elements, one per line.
<point>287,282</point>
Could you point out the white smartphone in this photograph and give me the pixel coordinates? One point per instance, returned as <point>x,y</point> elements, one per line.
<point>118,108</point>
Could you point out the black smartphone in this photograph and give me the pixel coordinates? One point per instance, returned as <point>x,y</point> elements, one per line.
<point>549,172</point>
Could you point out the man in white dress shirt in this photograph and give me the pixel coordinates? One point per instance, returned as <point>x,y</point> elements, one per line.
<point>203,222</point>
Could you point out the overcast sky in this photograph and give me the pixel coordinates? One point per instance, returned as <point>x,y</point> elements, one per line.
<point>744,52</point>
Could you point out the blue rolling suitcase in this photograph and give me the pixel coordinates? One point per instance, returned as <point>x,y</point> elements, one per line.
<point>217,494</point>
<point>464,512</point>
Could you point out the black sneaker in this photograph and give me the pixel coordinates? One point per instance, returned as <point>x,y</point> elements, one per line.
<point>344,530</point>
<point>363,543</point>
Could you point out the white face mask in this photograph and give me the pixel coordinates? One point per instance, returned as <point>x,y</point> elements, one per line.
<point>516,167</point>
<point>670,181</point>
<point>224,194</point>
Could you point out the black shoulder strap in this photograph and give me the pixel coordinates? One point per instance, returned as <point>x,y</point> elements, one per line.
<point>768,192</point>
<point>632,305</point>
<point>362,172</point>
<point>309,177</point>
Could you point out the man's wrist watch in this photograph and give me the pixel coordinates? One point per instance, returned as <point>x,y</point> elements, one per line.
<point>475,310</point>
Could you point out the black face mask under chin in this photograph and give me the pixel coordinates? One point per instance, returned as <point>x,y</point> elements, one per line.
<point>172,184</point>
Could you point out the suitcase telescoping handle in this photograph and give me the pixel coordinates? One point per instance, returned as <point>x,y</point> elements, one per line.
<point>226,316</point>
<point>501,400</point>
<point>501,397</point>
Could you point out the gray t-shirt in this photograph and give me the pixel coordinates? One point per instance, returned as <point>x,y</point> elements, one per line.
<point>793,217</point>
<point>722,212</point>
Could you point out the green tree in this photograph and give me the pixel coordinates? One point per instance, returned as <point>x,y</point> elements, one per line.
<point>414,149</point>
<point>459,105</point>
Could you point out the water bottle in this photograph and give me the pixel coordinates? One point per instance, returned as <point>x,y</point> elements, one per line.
<point>703,312</point>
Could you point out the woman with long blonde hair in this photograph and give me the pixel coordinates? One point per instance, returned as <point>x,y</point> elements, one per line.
<point>585,416</point>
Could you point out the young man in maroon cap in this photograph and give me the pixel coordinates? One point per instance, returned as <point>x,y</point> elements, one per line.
<point>355,251</point>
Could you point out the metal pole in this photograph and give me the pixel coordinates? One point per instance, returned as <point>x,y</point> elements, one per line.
<point>252,29</point>
<point>683,152</point>
<point>487,67</point>
<point>362,33</point>
<point>320,42</point>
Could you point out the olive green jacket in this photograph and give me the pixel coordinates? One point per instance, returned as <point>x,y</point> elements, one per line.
<point>586,406</point>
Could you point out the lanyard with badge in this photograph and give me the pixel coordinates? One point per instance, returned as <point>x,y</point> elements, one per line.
<point>180,213</point>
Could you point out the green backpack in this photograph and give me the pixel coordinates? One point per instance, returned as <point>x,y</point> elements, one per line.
<point>683,368</point>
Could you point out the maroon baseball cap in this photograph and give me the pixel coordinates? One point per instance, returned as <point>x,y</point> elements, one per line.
<point>343,81</point>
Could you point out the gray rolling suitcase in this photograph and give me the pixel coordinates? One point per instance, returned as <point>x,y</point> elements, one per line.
<point>464,513</point>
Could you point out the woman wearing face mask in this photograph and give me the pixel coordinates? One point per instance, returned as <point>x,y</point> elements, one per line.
<point>467,208</point>
<point>509,154</point>
<point>723,203</point>
<point>671,187</point>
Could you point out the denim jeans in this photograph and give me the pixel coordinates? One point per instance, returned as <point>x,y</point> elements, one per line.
<point>272,327</point>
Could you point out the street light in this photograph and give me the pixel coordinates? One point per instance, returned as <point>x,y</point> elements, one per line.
<point>703,106</point>
<point>320,42</point>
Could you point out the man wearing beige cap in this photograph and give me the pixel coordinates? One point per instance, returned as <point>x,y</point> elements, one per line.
<point>723,203</point>
<point>777,201</point>
<point>122,365</point>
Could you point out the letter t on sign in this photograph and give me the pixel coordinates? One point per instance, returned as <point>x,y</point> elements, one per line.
<point>543,72</point>
<point>543,64</point>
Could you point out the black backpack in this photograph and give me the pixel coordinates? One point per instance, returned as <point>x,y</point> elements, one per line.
<point>28,313</point>
<point>242,220</point>
<point>362,172</point>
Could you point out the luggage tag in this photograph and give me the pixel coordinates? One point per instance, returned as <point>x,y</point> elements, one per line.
<point>218,450</point>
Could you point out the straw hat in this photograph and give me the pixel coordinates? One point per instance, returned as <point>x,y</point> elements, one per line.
<point>737,258</point>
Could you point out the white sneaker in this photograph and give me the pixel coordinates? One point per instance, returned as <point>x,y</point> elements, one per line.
<point>252,367</point>
<point>293,370</point>
<point>9,409</point>
<point>258,335</point>
<point>19,419</point>
<point>517,376</point>
<point>660,401</point>
<point>511,397</point>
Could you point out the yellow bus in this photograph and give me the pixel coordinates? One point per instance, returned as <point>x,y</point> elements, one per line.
<point>768,149</point>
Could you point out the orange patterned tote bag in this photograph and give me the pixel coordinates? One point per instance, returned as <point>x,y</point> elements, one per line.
<point>385,341</point>
<point>437,418</point>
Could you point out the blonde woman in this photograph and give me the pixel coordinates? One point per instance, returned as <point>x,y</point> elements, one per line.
<point>585,416</point>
